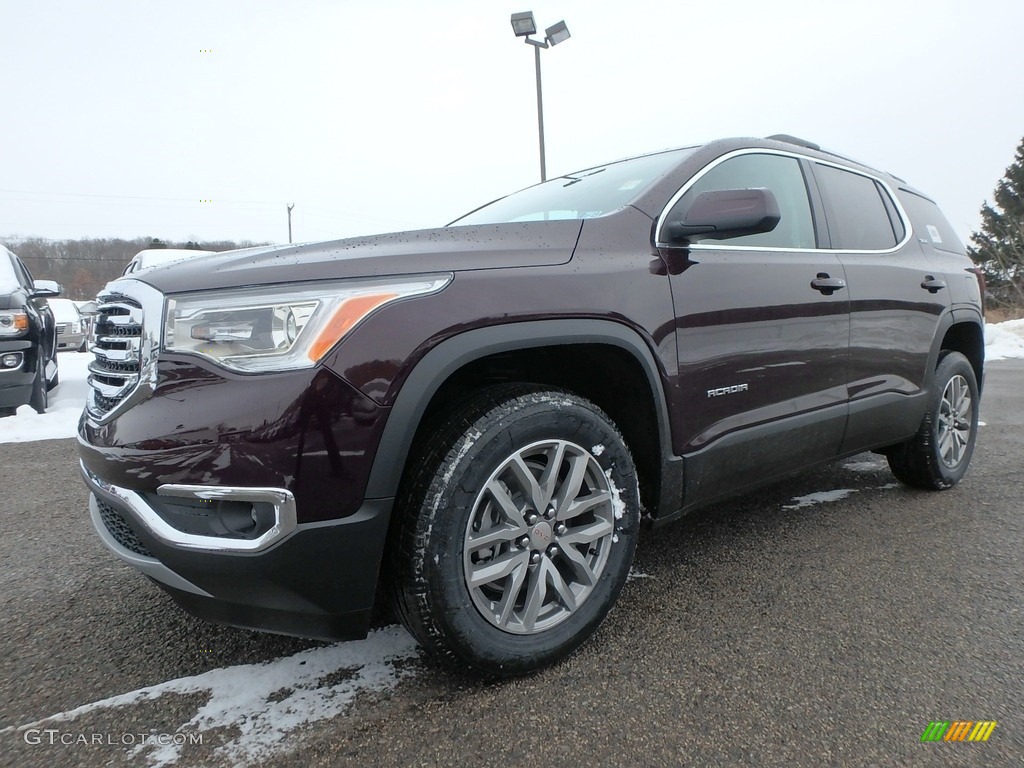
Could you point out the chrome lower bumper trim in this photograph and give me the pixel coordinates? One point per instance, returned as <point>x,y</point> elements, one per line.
<point>280,499</point>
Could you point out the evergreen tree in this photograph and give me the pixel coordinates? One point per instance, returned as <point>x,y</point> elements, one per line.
<point>999,247</point>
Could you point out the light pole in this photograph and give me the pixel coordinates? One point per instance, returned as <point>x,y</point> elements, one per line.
<point>523,26</point>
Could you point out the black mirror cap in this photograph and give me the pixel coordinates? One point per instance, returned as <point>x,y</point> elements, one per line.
<point>725,213</point>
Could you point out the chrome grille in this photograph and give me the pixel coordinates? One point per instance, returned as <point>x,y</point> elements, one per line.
<point>63,328</point>
<point>117,346</point>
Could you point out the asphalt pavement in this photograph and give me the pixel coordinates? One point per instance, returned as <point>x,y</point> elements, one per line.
<point>760,632</point>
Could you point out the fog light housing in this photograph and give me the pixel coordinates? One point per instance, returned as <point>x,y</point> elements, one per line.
<point>11,360</point>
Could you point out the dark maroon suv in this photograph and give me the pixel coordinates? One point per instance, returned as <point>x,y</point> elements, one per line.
<point>478,416</point>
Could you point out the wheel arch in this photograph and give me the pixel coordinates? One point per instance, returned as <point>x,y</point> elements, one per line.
<point>485,349</point>
<point>964,332</point>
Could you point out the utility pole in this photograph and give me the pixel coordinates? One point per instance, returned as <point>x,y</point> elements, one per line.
<point>540,113</point>
<point>290,206</point>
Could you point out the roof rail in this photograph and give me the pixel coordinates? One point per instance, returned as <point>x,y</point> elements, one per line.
<point>785,137</point>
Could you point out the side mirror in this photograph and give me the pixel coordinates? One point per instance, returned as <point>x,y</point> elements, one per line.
<point>46,289</point>
<point>724,213</point>
<point>89,308</point>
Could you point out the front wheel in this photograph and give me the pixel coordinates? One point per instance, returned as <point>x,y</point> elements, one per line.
<point>938,455</point>
<point>517,532</point>
<point>39,399</point>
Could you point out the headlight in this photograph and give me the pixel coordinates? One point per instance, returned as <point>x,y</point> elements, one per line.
<point>278,328</point>
<point>13,323</point>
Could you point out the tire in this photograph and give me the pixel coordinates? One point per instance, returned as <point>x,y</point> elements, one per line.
<point>481,479</point>
<point>39,399</point>
<point>937,457</point>
<point>84,346</point>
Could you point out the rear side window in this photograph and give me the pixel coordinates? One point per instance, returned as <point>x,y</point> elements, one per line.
<point>929,223</point>
<point>783,176</point>
<point>857,215</point>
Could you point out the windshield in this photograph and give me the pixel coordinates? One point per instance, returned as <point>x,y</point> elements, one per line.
<point>64,310</point>
<point>580,195</point>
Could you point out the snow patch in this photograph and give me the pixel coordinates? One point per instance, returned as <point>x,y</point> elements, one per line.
<point>66,404</point>
<point>1004,340</point>
<point>597,450</point>
<point>634,574</point>
<point>248,698</point>
<point>821,497</point>
<point>618,505</point>
<point>864,466</point>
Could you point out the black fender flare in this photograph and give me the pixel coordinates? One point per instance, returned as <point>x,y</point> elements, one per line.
<point>452,354</point>
<point>950,318</point>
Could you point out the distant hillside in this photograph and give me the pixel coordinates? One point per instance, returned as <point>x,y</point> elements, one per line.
<point>83,267</point>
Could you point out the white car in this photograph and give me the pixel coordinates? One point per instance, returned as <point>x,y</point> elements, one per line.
<point>156,257</point>
<point>72,328</point>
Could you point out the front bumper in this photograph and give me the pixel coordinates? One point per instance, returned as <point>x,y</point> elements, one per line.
<point>315,580</point>
<point>16,383</point>
<point>70,341</point>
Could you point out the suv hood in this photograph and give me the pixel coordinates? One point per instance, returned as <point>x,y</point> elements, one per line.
<point>449,249</point>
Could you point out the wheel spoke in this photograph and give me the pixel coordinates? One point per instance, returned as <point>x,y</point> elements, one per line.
<point>960,443</point>
<point>578,506</point>
<point>505,503</point>
<point>527,482</point>
<point>491,537</point>
<point>549,479</point>
<point>945,444</point>
<point>513,586</point>
<point>574,480</point>
<point>586,534</point>
<point>536,591</point>
<point>562,589</point>
<point>493,570</point>
<point>580,566</point>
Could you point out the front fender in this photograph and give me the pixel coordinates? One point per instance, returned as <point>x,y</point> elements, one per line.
<point>449,356</point>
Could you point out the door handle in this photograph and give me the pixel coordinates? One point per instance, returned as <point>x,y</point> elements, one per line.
<point>932,285</point>
<point>827,285</point>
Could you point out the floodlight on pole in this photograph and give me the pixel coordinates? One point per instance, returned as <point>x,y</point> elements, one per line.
<point>523,25</point>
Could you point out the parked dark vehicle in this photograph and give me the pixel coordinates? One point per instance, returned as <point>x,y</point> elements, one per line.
<point>480,414</point>
<point>28,346</point>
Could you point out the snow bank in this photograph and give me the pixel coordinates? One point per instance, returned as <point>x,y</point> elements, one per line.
<point>1004,340</point>
<point>66,403</point>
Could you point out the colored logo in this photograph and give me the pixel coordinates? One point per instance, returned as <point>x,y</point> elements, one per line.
<point>958,730</point>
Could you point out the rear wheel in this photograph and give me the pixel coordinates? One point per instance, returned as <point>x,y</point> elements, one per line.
<point>517,532</point>
<point>938,455</point>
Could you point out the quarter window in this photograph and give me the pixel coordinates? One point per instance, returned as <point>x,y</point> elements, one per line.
<point>783,176</point>
<point>857,215</point>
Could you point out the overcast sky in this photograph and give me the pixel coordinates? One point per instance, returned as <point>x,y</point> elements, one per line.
<point>375,115</point>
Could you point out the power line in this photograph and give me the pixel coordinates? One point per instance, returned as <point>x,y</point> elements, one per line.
<point>137,197</point>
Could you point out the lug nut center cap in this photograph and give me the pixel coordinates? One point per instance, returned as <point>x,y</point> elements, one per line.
<point>541,535</point>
